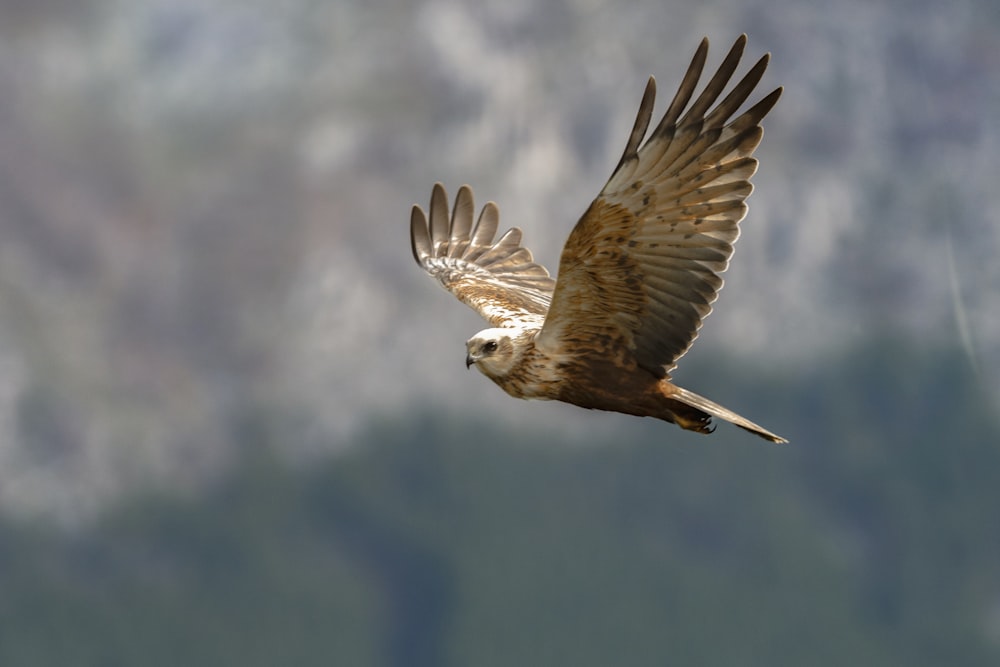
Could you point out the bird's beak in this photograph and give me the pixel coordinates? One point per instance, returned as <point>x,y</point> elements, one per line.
<point>469,361</point>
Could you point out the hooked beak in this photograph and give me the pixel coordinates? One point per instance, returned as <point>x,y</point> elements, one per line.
<point>469,361</point>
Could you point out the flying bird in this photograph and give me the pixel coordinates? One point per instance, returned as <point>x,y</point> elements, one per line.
<point>637,275</point>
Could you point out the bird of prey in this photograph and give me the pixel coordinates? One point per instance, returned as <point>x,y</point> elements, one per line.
<point>637,275</point>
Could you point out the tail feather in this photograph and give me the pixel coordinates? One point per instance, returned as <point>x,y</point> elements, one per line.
<point>710,407</point>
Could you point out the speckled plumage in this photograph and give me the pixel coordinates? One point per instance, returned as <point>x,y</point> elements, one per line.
<point>637,275</point>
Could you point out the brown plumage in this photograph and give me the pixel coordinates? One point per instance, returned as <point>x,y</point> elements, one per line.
<point>638,273</point>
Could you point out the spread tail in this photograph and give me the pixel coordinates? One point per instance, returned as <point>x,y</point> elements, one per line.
<point>714,409</point>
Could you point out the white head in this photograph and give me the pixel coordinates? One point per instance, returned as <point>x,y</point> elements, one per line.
<point>495,352</point>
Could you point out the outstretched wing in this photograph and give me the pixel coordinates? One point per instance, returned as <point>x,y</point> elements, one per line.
<point>641,268</point>
<point>499,280</point>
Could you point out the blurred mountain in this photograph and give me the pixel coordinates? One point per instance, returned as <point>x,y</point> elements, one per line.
<point>204,206</point>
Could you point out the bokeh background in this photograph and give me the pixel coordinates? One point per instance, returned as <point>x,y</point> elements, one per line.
<point>235,422</point>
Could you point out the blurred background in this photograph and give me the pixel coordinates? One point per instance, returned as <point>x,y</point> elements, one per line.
<point>235,422</point>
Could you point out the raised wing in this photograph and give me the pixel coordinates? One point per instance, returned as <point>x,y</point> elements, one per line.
<point>499,280</point>
<point>641,268</point>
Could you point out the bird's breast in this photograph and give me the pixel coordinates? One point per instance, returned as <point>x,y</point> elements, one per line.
<point>535,376</point>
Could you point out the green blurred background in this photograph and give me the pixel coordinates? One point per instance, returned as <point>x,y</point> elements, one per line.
<point>235,426</point>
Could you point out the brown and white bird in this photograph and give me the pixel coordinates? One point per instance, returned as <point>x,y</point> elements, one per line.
<point>638,273</point>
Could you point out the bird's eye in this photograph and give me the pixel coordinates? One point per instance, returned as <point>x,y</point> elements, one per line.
<point>490,346</point>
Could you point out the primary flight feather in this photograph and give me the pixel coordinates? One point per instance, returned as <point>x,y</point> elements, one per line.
<point>638,273</point>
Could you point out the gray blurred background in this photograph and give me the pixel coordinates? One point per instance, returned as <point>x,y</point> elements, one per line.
<point>235,423</point>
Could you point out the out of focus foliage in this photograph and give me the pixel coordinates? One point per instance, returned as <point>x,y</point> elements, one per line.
<point>437,540</point>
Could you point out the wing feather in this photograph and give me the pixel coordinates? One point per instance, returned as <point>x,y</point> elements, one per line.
<point>461,223</point>
<point>641,267</point>
<point>684,92</point>
<point>500,280</point>
<point>717,83</point>
<point>486,227</point>
<point>439,219</point>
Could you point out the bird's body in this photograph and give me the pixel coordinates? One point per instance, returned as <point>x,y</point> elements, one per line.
<point>637,275</point>
<point>593,382</point>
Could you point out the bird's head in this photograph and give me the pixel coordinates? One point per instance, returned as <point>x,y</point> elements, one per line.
<point>493,351</point>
